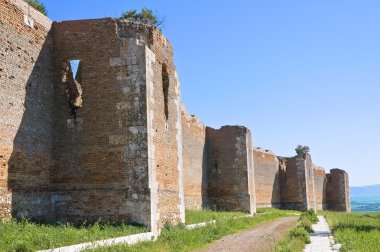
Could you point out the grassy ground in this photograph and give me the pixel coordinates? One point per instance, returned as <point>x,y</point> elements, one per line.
<point>15,236</point>
<point>299,236</point>
<point>180,239</point>
<point>193,217</point>
<point>355,231</point>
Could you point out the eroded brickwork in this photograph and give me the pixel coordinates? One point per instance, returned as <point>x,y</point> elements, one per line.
<point>267,178</point>
<point>26,98</point>
<point>230,169</point>
<point>293,186</point>
<point>114,143</point>
<point>338,191</point>
<point>194,161</point>
<point>320,188</point>
<point>101,155</point>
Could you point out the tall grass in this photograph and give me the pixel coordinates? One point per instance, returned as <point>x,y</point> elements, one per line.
<point>299,236</point>
<point>181,239</point>
<point>355,231</point>
<point>29,236</point>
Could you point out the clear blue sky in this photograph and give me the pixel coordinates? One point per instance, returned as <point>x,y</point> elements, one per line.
<point>294,72</point>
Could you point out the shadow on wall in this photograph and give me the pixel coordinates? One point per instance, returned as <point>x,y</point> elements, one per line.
<point>276,192</point>
<point>324,198</point>
<point>204,187</point>
<point>30,163</point>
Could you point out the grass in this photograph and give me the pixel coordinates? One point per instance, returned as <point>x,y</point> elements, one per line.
<point>299,236</point>
<point>193,216</point>
<point>355,231</point>
<point>29,236</point>
<point>180,239</point>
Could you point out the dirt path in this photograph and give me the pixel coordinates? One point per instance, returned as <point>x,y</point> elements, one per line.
<point>260,238</point>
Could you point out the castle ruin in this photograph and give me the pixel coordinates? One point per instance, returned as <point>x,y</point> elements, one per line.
<point>111,140</point>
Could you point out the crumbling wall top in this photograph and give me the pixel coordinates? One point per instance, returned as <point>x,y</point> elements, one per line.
<point>30,12</point>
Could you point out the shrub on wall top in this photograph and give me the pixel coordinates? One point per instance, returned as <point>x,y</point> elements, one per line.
<point>146,16</point>
<point>38,6</point>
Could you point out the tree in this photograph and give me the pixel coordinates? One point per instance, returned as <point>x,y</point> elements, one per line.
<point>38,6</point>
<point>302,150</point>
<point>146,16</point>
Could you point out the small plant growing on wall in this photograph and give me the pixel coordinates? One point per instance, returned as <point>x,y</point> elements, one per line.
<point>302,150</point>
<point>38,6</point>
<point>146,16</point>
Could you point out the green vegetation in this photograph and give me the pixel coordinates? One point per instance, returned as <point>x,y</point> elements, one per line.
<point>302,150</point>
<point>181,239</point>
<point>267,210</point>
<point>365,206</point>
<point>299,236</point>
<point>146,16</point>
<point>38,6</point>
<point>355,231</point>
<point>28,236</point>
<point>193,217</point>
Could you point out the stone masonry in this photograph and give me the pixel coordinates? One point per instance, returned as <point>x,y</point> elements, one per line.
<point>113,142</point>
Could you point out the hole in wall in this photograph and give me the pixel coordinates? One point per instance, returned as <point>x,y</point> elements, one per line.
<point>73,79</point>
<point>165,89</point>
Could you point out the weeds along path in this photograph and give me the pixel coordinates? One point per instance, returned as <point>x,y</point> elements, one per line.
<point>261,238</point>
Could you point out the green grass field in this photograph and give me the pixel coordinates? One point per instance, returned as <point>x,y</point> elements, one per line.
<point>27,236</point>
<point>180,239</point>
<point>193,217</point>
<point>355,231</point>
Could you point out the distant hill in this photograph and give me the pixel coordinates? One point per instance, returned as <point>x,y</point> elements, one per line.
<point>365,193</point>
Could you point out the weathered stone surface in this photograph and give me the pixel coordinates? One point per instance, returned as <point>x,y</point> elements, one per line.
<point>194,161</point>
<point>26,99</point>
<point>230,169</point>
<point>320,188</point>
<point>267,178</point>
<point>338,191</point>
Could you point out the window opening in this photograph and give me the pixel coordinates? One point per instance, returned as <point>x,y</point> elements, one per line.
<point>165,89</point>
<point>73,74</point>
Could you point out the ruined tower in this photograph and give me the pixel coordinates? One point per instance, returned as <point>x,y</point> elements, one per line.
<point>117,156</point>
<point>92,128</point>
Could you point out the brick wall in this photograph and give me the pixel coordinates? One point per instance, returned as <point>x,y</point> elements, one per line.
<point>337,191</point>
<point>167,131</point>
<point>125,141</point>
<point>101,166</point>
<point>26,99</point>
<point>310,188</point>
<point>128,152</point>
<point>320,188</point>
<point>267,178</point>
<point>194,161</point>
<point>230,169</point>
<point>293,184</point>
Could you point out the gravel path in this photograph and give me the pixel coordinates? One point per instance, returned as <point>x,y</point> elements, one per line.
<point>261,238</point>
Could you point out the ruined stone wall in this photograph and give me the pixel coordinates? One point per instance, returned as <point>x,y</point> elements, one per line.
<point>194,161</point>
<point>293,184</point>
<point>165,109</point>
<point>310,188</point>
<point>101,156</point>
<point>230,169</point>
<point>267,178</point>
<point>320,188</point>
<point>123,148</point>
<point>25,111</point>
<point>297,183</point>
<point>337,191</point>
